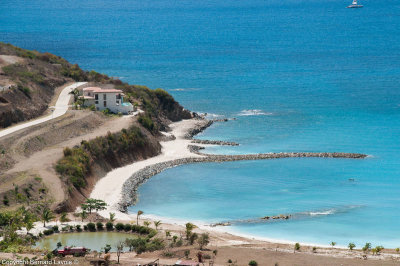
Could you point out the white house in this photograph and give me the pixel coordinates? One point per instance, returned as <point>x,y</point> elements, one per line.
<point>106,98</point>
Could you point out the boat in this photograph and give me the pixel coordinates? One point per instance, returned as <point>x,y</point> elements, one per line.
<point>355,5</point>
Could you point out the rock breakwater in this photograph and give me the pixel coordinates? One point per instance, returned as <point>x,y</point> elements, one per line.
<point>130,187</point>
<point>215,142</point>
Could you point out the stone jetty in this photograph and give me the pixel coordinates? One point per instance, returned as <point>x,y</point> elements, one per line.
<point>215,142</point>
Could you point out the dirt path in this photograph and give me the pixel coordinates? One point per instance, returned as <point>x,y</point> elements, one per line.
<point>42,162</point>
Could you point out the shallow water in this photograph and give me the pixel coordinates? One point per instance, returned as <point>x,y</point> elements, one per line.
<point>92,240</point>
<point>297,75</point>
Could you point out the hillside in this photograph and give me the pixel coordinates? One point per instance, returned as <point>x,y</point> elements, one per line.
<point>61,160</point>
<point>28,80</point>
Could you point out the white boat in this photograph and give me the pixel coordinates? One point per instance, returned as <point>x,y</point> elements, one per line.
<point>354,5</point>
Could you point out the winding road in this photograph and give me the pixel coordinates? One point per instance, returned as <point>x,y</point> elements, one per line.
<point>60,109</point>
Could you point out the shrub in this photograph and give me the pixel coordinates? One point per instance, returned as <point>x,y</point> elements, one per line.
<point>76,163</point>
<point>146,122</point>
<point>99,226</point>
<point>297,246</point>
<point>152,233</point>
<point>207,256</point>
<point>119,226</point>
<point>85,227</point>
<point>55,229</point>
<point>78,228</point>
<point>351,246</point>
<point>48,232</point>
<point>91,227</point>
<point>109,226</point>
<point>253,263</point>
<point>127,227</point>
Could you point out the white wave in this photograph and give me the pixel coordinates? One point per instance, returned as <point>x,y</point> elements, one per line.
<point>185,89</point>
<point>328,212</point>
<point>253,112</point>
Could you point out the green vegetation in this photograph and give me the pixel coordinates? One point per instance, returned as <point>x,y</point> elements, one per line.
<point>138,215</point>
<point>189,229</point>
<point>146,122</point>
<point>351,246</point>
<point>366,248</point>
<point>93,204</point>
<point>140,245</point>
<point>253,263</point>
<point>47,215</point>
<point>76,163</point>
<point>203,240</point>
<point>10,222</point>
<point>100,226</point>
<point>297,247</point>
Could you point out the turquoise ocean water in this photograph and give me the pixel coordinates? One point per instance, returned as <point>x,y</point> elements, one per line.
<point>298,76</point>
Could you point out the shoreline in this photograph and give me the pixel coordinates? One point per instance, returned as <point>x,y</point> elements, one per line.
<point>118,188</point>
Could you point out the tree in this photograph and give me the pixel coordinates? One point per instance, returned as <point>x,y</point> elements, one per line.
<point>107,248</point>
<point>203,240</point>
<point>351,246</point>
<point>333,244</point>
<point>93,204</point>
<point>189,229</point>
<point>120,247</point>
<point>157,224</point>
<point>193,238</point>
<point>64,217</point>
<point>137,217</point>
<point>83,214</point>
<point>59,245</point>
<point>296,247</point>
<point>47,216</point>
<point>29,226</point>
<point>112,217</point>
<point>146,223</point>
<point>167,234</point>
<point>378,249</point>
<point>367,247</point>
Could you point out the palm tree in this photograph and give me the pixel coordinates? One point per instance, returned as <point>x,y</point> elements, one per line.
<point>29,225</point>
<point>83,215</point>
<point>137,217</point>
<point>146,223</point>
<point>47,215</point>
<point>112,217</point>
<point>157,224</point>
<point>64,217</point>
<point>189,228</point>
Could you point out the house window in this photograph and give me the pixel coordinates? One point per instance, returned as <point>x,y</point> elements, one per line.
<point>118,96</point>
<point>105,103</point>
<point>104,96</point>
<point>96,97</point>
<point>117,101</point>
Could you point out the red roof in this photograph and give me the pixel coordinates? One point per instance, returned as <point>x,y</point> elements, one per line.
<point>100,90</point>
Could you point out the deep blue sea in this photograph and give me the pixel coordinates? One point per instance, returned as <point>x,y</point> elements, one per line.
<point>299,75</point>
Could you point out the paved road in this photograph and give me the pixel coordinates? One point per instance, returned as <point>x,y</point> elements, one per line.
<point>60,109</point>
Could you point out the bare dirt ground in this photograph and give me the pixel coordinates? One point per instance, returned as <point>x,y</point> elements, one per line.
<point>37,149</point>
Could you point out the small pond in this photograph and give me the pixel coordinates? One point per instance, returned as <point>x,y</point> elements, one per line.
<point>92,240</point>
